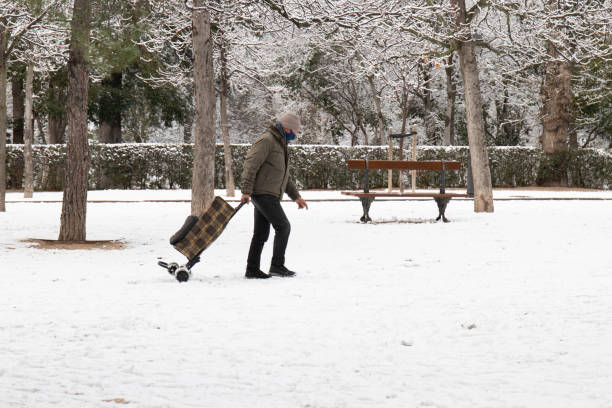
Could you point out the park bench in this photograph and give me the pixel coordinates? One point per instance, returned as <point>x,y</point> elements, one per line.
<point>442,198</point>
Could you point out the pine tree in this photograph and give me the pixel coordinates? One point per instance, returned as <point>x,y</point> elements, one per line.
<point>74,204</point>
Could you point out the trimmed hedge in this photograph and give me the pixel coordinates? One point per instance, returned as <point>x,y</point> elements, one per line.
<point>159,166</point>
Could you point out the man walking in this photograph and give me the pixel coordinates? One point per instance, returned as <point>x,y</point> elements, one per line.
<point>265,179</point>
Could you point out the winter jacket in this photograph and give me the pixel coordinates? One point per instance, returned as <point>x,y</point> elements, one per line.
<point>266,168</point>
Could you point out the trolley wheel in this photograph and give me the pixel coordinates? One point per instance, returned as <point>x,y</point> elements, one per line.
<point>182,274</point>
<point>172,267</point>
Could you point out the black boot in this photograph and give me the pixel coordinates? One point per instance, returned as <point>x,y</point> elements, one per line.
<point>256,274</point>
<point>281,270</point>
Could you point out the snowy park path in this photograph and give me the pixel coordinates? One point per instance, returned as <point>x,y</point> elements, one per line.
<point>511,309</point>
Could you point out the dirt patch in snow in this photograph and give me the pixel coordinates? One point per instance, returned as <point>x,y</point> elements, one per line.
<point>541,188</point>
<point>403,221</point>
<point>117,401</point>
<point>54,244</point>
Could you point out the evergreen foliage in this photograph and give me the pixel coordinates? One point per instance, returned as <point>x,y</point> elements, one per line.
<point>156,166</point>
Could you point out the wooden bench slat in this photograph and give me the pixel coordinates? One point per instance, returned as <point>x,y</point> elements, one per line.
<point>444,195</point>
<point>402,165</point>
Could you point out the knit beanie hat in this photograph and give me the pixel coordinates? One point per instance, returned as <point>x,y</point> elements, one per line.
<point>290,121</point>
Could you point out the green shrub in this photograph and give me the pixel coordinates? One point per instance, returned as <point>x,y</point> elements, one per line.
<point>161,166</point>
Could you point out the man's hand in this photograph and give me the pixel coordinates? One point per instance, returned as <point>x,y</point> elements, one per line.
<point>301,203</point>
<point>245,198</point>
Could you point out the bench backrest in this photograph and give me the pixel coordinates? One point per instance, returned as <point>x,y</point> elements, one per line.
<point>441,166</point>
<point>403,165</point>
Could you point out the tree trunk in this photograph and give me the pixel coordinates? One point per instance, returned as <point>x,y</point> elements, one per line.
<point>110,118</point>
<point>429,122</point>
<point>354,139</point>
<point>451,95</point>
<point>56,124</point>
<point>203,181</point>
<point>501,111</point>
<point>380,137</point>
<point>227,149</point>
<point>56,128</point>
<point>400,176</point>
<point>110,110</point>
<point>573,138</point>
<point>404,105</point>
<point>365,134</point>
<point>28,134</point>
<point>557,111</point>
<point>483,191</point>
<point>188,126</point>
<point>557,117</point>
<point>334,137</point>
<point>18,107</point>
<point>41,127</point>
<point>3,62</point>
<point>18,121</point>
<point>74,205</point>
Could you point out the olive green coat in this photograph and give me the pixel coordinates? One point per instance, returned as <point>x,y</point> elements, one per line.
<point>266,168</point>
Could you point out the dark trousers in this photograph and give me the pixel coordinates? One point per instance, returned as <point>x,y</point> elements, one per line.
<point>268,211</point>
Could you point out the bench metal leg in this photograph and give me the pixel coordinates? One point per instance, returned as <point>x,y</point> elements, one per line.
<point>442,203</point>
<point>365,203</point>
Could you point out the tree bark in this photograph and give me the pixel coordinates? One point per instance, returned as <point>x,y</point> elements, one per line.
<point>188,126</point>
<point>334,137</point>
<point>56,130</point>
<point>56,124</point>
<point>28,134</point>
<point>110,110</point>
<point>380,137</point>
<point>18,120</point>
<point>18,108</point>
<point>483,191</point>
<point>501,110</point>
<point>451,95</point>
<point>400,176</point>
<point>557,117</point>
<point>354,139</point>
<point>428,114</point>
<point>365,133</point>
<point>404,104</point>
<point>227,149</point>
<point>557,112</point>
<point>41,127</point>
<point>573,138</point>
<point>203,181</point>
<point>3,69</point>
<point>109,130</point>
<point>74,205</point>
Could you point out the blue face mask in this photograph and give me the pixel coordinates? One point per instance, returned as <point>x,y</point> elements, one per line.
<point>289,136</point>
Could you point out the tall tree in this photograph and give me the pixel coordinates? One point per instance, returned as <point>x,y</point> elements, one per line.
<point>18,103</point>
<point>4,35</point>
<point>28,134</point>
<point>74,204</point>
<point>451,95</point>
<point>116,27</point>
<point>110,106</point>
<point>203,181</point>
<point>483,189</point>
<point>223,96</point>
<point>16,19</point>
<point>376,94</point>
<point>557,106</point>
<point>56,106</point>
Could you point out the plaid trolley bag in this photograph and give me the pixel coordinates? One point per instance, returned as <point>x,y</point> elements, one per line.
<point>197,233</point>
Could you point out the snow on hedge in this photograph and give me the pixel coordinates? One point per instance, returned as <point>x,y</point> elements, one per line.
<point>150,165</point>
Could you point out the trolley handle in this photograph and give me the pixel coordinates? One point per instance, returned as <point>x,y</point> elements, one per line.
<point>240,206</point>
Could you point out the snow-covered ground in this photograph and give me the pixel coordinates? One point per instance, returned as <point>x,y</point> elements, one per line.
<point>510,309</point>
<point>326,195</point>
